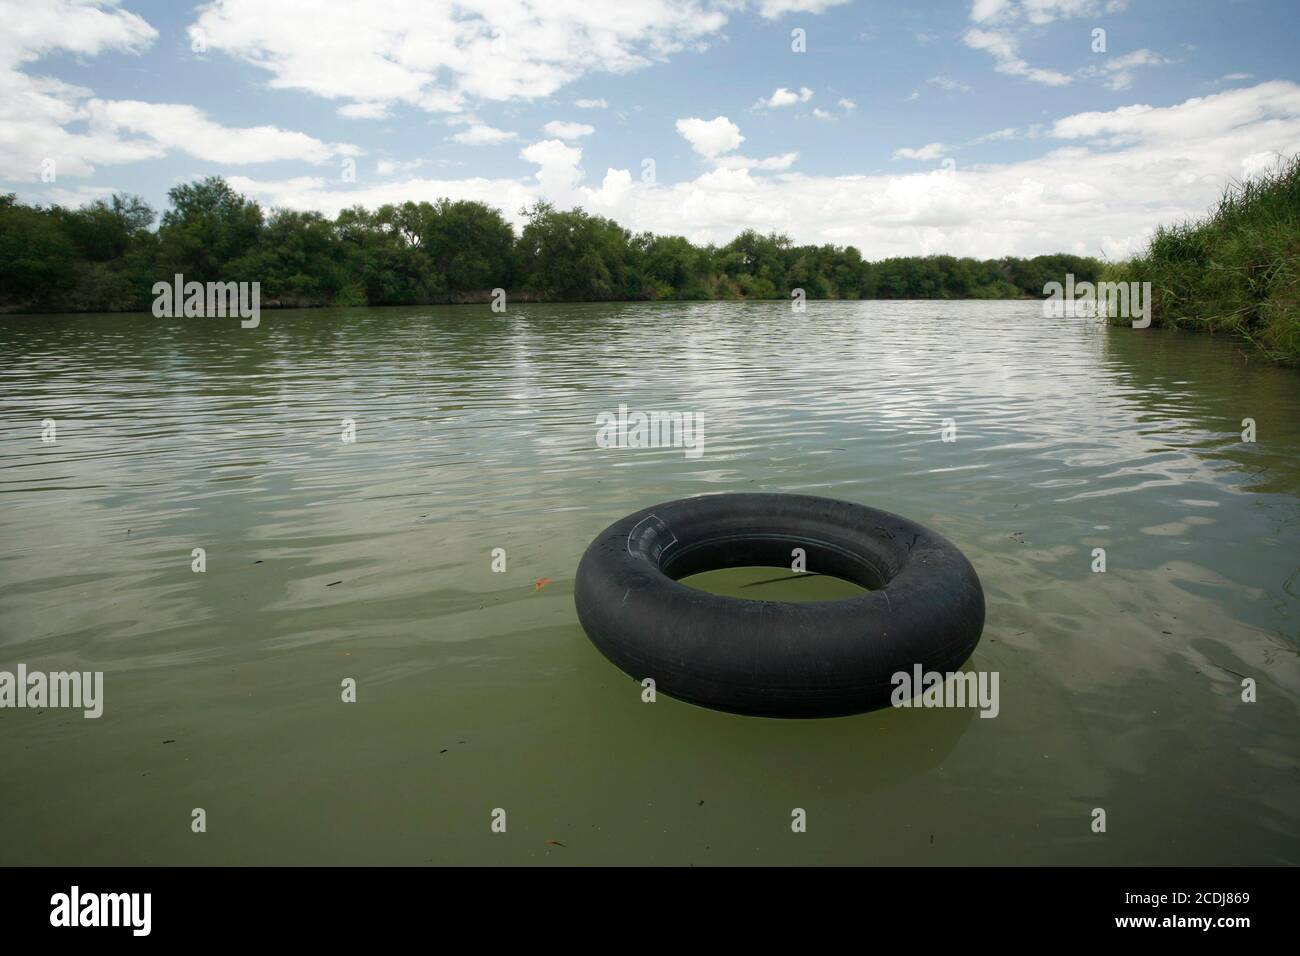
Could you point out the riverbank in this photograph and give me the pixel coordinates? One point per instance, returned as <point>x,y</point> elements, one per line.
<point>1236,271</point>
<point>513,297</point>
<point>106,257</point>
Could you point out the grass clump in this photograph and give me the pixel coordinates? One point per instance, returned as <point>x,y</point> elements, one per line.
<point>1235,271</point>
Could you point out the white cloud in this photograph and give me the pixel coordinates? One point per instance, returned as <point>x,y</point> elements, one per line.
<point>716,139</point>
<point>1010,132</point>
<point>388,167</point>
<point>78,196</point>
<point>482,135</point>
<point>566,130</point>
<point>558,170</point>
<point>710,138</point>
<point>34,114</point>
<point>1263,106</point>
<point>821,114</point>
<point>847,104</point>
<point>33,29</point>
<point>775,8</point>
<point>187,129</point>
<point>1118,70</point>
<point>36,111</point>
<point>591,104</point>
<point>363,111</point>
<point>1003,48</point>
<point>295,185</point>
<point>771,163</point>
<point>783,97</point>
<point>1039,12</point>
<point>926,152</point>
<point>948,83</point>
<point>1260,162</point>
<point>437,56</point>
<point>985,10</point>
<point>944,83</point>
<point>1000,20</point>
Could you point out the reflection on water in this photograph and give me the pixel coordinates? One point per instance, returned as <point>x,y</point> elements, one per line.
<point>474,431</point>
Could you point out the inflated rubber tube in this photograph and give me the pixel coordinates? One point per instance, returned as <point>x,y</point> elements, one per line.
<point>767,658</point>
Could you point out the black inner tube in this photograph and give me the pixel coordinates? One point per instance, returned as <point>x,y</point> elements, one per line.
<point>924,603</point>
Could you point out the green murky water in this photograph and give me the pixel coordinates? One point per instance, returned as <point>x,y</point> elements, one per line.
<point>756,583</point>
<point>476,690</point>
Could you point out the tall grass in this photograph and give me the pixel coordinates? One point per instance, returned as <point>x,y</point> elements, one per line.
<point>1236,271</point>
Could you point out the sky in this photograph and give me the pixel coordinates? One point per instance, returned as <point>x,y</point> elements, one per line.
<point>984,128</point>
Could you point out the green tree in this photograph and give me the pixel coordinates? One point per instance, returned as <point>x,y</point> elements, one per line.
<point>38,260</point>
<point>576,256</point>
<point>470,244</point>
<point>208,226</point>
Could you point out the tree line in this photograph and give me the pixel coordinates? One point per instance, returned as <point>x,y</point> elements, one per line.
<point>106,256</point>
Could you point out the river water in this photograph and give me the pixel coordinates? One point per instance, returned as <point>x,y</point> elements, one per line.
<point>476,691</point>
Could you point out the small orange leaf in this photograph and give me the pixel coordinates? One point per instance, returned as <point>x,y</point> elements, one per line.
<point>541,583</point>
<point>556,843</point>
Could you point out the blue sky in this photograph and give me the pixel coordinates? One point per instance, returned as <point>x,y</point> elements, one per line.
<point>987,127</point>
